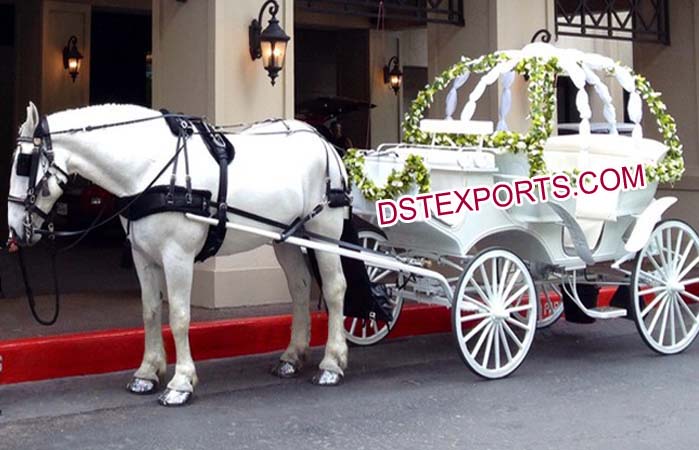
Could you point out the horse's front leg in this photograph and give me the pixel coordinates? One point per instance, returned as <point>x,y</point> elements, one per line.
<point>334,285</point>
<point>154,365</point>
<point>178,267</point>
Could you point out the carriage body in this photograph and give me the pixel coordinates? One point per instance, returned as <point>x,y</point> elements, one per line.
<point>544,252</point>
<point>533,231</point>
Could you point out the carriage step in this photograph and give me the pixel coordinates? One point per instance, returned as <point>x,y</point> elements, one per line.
<point>606,312</point>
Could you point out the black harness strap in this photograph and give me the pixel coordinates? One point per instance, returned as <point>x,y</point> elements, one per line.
<point>222,150</point>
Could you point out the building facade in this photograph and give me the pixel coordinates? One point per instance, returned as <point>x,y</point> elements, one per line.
<point>201,65</point>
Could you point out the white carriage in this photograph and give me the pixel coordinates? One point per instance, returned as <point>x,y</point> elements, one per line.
<point>501,270</point>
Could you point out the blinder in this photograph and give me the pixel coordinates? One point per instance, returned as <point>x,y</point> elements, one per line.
<point>28,166</point>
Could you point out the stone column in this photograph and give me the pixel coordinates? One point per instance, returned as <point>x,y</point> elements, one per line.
<point>202,65</point>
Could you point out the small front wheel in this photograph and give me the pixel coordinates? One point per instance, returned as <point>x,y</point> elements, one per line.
<point>495,313</point>
<point>366,332</point>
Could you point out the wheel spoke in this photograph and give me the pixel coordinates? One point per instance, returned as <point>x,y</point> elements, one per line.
<point>373,326</point>
<point>661,335</point>
<point>477,303</point>
<point>650,277</point>
<point>518,324</point>
<point>657,315</point>
<point>503,277</point>
<point>512,334</point>
<point>661,249</point>
<point>516,295</point>
<point>673,337</point>
<point>486,282</point>
<point>655,264</point>
<point>520,308</point>
<point>488,346</point>
<point>511,284</point>
<point>680,317</point>
<point>484,297</point>
<point>686,270</point>
<point>678,246</point>
<point>651,290</point>
<point>481,339</point>
<point>381,276</point>
<point>652,304</point>
<point>353,326</point>
<point>505,344</point>
<point>476,329</point>
<point>469,318</point>
<point>690,295</point>
<point>686,308</point>
<point>496,339</point>
<point>685,254</point>
<point>494,276</point>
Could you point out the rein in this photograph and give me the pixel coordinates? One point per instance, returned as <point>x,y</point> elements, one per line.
<point>42,147</point>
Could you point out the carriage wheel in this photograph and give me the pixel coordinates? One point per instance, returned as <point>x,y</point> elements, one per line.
<point>370,331</point>
<point>550,305</point>
<point>495,313</point>
<point>665,311</point>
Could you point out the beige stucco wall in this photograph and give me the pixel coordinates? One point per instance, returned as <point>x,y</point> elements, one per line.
<point>411,48</point>
<point>447,43</point>
<point>672,70</point>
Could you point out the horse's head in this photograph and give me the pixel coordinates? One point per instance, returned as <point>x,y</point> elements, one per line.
<point>36,182</point>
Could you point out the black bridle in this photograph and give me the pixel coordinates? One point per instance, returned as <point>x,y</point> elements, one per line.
<point>28,166</point>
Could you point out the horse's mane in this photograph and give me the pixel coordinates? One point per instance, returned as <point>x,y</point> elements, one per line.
<point>97,115</point>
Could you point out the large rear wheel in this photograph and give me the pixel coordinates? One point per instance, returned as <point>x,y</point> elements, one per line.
<point>666,312</point>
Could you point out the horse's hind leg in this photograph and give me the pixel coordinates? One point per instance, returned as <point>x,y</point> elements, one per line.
<point>298,279</point>
<point>334,286</point>
<point>154,365</point>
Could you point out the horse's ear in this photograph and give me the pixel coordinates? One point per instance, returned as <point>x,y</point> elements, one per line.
<point>30,124</point>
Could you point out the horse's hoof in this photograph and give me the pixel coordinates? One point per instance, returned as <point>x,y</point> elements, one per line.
<point>327,378</point>
<point>285,369</point>
<point>142,386</point>
<point>172,397</point>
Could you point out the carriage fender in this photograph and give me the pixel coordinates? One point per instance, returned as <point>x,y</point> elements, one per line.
<point>646,221</point>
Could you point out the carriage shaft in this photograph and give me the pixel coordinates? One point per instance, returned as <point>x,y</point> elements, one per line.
<point>384,262</point>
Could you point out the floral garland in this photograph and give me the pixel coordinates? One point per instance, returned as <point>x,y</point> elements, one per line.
<point>541,90</point>
<point>397,184</point>
<point>671,168</point>
<point>542,97</point>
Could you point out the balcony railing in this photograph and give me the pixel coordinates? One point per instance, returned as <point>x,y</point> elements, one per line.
<point>420,11</point>
<point>629,20</point>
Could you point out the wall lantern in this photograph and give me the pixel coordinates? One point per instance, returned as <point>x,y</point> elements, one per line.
<point>72,58</point>
<point>270,44</point>
<point>393,75</point>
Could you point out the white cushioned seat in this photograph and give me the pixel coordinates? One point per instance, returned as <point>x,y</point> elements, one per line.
<point>598,152</point>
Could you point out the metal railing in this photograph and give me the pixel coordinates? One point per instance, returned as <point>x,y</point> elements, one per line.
<point>420,11</point>
<point>629,20</point>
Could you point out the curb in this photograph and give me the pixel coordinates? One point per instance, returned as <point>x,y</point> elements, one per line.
<point>98,352</point>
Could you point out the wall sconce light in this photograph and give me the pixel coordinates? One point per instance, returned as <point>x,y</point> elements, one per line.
<point>270,44</point>
<point>393,75</point>
<point>72,58</point>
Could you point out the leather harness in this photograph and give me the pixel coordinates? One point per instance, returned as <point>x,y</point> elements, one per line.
<point>174,198</point>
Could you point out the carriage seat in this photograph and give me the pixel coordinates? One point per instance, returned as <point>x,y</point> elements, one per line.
<point>598,152</point>
<point>569,151</point>
<point>451,126</point>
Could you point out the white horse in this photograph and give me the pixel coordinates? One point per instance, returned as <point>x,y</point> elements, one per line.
<point>280,176</point>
